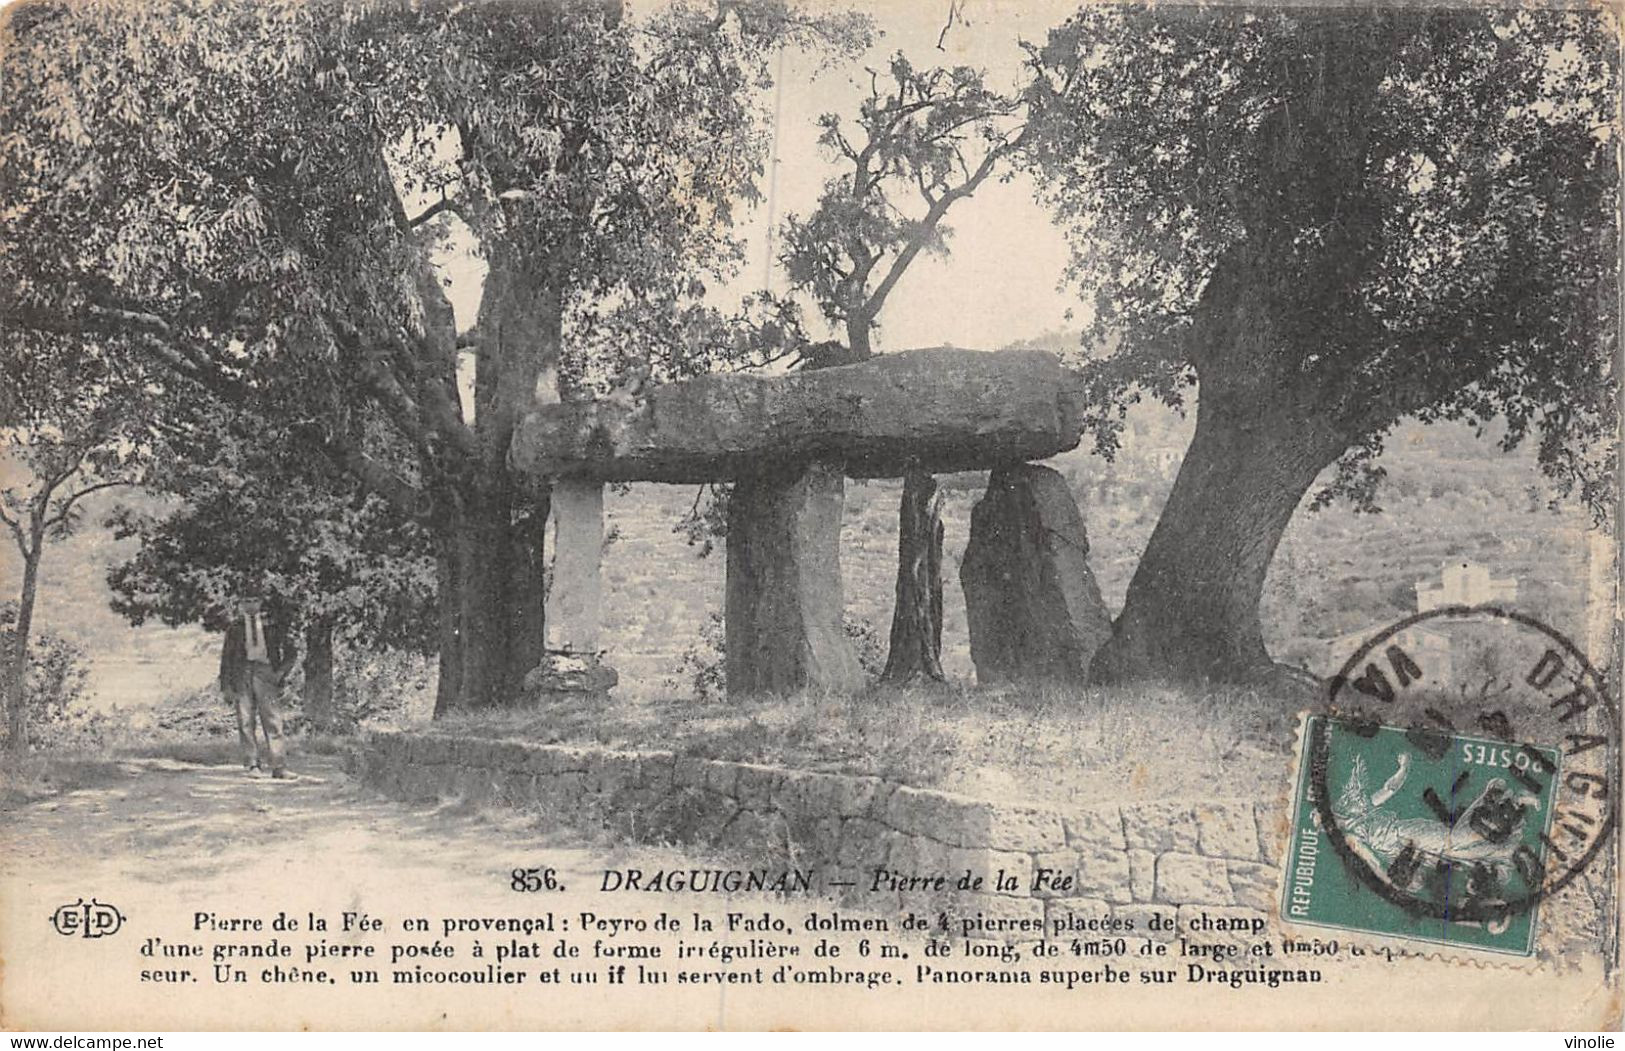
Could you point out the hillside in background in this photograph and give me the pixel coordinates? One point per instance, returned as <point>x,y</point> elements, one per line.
<point>1449,497</point>
<point>130,667</point>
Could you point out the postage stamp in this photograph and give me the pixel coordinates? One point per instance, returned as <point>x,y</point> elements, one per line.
<point>1466,768</point>
<point>1387,809</point>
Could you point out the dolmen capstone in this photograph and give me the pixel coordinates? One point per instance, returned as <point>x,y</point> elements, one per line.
<point>788,443</point>
<point>929,410</point>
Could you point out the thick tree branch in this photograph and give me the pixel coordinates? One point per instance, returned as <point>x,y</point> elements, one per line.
<point>445,204</point>
<point>65,506</point>
<point>403,411</point>
<point>406,497</point>
<point>76,457</point>
<point>17,534</point>
<point>922,235</point>
<point>163,343</point>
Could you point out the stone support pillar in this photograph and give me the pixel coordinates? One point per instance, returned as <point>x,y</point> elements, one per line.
<point>1033,606</point>
<point>571,664</point>
<point>575,593</point>
<point>784,603</point>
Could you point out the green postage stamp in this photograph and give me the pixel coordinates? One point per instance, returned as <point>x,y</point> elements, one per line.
<point>1462,774</point>
<point>1453,830</point>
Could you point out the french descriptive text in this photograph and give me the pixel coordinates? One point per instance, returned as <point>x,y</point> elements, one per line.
<point>776,944</point>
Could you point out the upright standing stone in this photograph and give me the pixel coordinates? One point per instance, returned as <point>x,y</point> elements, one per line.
<point>1034,608</point>
<point>783,605</point>
<point>575,596</point>
<point>915,648</point>
<point>570,665</point>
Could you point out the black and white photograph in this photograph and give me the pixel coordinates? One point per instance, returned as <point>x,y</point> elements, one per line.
<point>838,515</point>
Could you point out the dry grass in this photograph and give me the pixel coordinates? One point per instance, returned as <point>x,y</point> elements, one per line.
<point>28,778</point>
<point>1050,744</point>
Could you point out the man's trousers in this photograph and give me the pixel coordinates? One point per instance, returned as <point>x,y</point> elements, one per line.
<point>260,702</point>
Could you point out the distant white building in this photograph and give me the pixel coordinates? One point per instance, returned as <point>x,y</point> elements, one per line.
<point>1464,584</point>
<point>1459,584</point>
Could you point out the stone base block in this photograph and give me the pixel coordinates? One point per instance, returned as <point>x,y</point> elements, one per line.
<point>562,675</point>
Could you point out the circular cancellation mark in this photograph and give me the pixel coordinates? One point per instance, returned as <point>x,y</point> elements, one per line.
<point>1520,737</point>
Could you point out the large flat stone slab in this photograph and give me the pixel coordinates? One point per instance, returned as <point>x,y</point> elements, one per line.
<point>943,409</point>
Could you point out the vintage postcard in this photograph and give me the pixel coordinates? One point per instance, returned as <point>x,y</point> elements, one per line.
<point>805,514</point>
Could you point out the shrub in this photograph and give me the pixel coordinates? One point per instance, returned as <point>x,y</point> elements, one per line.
<point>701,668</point>
<point>866,641</point>
<point>389,686</point>
<point>54,684</point>
<point>197,714</point>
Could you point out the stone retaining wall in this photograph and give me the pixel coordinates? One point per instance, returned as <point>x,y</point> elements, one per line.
<point>1125,861</point>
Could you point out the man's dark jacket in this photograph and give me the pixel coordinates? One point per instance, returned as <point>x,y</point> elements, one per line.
<point>279,651</point>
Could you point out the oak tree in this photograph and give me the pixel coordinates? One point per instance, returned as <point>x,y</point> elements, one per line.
<point>1327,221</point>
<point>255,198</point>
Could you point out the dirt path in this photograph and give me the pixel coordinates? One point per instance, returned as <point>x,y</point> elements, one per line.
<point>196,827</point>
<point>168,839</point>
<point>165,840</point>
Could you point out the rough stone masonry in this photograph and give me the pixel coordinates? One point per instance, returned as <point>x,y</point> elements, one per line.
<point>1105,860</point>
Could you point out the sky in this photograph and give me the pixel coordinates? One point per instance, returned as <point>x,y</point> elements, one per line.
<point>999,282</point>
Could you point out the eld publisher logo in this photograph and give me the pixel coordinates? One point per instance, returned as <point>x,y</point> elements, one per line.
<point>91,919</point>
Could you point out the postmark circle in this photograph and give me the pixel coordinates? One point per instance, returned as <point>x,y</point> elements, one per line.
<point>1528,732</point>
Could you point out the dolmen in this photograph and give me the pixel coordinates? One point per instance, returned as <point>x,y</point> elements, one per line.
<point>788,443</point>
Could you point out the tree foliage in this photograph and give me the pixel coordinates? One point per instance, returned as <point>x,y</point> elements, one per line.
<point>923,140</point>
<point>252,197</point>
<point>309,542</point>
<point>1329,220</point>
<point>1419,205</point>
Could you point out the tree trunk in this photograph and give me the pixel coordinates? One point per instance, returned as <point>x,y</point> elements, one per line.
<point>915,650</point>
<point>491,617</point>
<point>857,337</point>
<point>318,688</point>
<point>1191,613</point>
<point>527,599</point>
<point>17,660</point>
<point>483,570</point>
<point>491,568</point>
<point>449,599</point>
<point>491,603</point>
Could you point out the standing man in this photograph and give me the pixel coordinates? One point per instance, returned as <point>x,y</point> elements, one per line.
<point>254,667</point>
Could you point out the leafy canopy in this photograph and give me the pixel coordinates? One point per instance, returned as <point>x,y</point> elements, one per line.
<point>223,190</point>
<point>1416,208</point>
<point>249,518</point>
